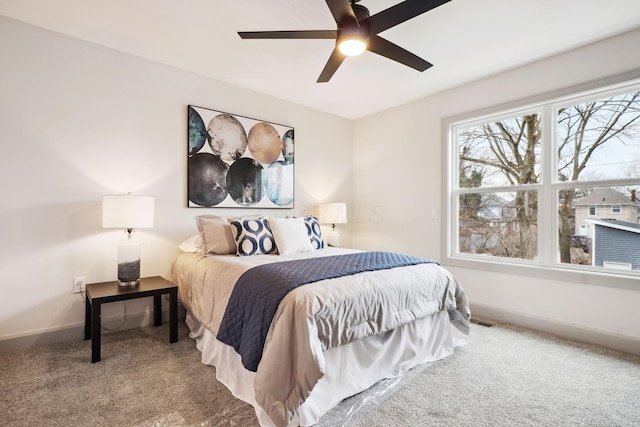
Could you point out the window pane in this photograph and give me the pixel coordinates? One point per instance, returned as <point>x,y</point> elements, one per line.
<point>608,235</point>
<point>600,139</point>
<point>505,152</point>
<point>503,183</point>
<point>499,224</point>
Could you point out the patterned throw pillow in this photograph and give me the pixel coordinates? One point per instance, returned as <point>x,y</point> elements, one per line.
<point>253,237</point>
<point>313,230</point>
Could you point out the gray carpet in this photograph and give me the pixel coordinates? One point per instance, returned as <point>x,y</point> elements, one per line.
<point>503,376</point>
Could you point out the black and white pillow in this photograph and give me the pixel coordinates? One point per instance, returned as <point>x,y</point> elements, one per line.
<point>253,237</point>
<point>313,230</point>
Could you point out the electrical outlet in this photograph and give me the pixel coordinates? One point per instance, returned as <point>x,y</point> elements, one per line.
<point>79,283</point>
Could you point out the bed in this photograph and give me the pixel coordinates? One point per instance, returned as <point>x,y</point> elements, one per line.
<point>328,339</point>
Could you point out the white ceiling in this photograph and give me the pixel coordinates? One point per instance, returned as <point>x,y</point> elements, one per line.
<point>464,39</point>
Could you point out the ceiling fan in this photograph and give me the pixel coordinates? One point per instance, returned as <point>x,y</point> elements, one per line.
<point>358,31</point>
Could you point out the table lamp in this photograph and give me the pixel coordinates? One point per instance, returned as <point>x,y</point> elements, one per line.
<point>128,212</point>
<point>332,213</point>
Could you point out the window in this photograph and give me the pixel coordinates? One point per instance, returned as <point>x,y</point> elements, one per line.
<point>525,184</point>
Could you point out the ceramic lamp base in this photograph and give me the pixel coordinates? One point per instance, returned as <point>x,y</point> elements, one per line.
<point>332,238</point>
<point>129,263</point>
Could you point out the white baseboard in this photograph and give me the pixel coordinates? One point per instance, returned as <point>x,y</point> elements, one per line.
<point>625,343</point>
<point>620,342</point>
<point>75,332</point>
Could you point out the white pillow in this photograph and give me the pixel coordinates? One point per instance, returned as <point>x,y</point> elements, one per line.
<point>290,235</point>
<point>192,244</point>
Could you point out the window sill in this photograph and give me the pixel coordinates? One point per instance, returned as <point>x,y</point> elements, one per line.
<point>604,278</point>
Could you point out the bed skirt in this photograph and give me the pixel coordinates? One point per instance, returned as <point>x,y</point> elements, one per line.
<point>349,369</point>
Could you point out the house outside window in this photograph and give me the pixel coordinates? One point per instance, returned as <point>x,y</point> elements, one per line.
<point>614,203</point>
<point>523,181</point>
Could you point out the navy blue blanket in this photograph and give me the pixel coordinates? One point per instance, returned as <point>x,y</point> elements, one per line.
<point>257,294</point>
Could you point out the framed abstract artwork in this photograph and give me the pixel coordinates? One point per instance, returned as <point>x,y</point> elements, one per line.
<point>238,162</point>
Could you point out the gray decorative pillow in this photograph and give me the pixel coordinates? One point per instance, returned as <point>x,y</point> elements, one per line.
<point>216,236</point>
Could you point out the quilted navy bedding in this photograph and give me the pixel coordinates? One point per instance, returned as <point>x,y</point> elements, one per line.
<point>258,292</point>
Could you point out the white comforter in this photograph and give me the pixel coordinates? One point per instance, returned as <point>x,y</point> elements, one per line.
<point>317,316</point>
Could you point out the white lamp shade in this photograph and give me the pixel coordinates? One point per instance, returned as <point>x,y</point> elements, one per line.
<point>332,213</point>
<point>127,211</point>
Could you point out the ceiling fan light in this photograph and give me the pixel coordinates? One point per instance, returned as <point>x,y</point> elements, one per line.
<point>352,47</point>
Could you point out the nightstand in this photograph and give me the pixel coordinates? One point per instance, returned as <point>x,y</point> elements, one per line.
<point>101,293</point>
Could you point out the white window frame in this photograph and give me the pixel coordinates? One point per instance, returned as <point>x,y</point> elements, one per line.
<point>616,209</point>
<point>594,209</point>
<point>546,265</point>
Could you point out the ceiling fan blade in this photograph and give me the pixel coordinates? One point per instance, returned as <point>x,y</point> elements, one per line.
<point>400,13</point>
<point>331,66</point>
<point>394,52</point>
<point>341,11</point>
<point>320,34</point>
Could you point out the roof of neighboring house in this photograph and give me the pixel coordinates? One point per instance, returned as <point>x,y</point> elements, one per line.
<point>493,207</point>
<point>604,196</point>
<point>617,224</point>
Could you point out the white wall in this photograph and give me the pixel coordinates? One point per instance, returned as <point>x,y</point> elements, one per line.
<point>78,121</point>
<point>398,182</point>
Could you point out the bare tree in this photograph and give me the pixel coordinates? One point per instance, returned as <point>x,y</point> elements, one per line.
<point>583,129</point>
<point>508,152</point>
